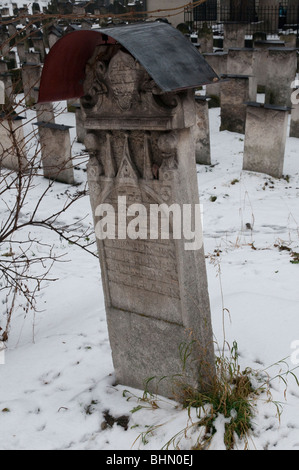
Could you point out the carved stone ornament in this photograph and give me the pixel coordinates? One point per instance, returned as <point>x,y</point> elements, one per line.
<point>123,76</point>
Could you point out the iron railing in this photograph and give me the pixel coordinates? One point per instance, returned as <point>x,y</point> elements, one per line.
<point>270,20</point>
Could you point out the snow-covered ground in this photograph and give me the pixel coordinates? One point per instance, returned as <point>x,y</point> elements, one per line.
<point>58,380</point>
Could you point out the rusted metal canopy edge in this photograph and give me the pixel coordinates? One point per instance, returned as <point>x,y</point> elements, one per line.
<point>170,59</point>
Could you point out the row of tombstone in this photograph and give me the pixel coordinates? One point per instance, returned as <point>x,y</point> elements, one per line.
<point>54,139</point>
<point>265,125</point>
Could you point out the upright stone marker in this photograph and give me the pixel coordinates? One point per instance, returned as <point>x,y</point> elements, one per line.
<point>241,61</point>
<point>265,139</point>
<point>235,91</point>
<point>31,73</point>
<point>202,131</point>
<point>140,136</point>
<point>218,61</point>
<point>2,92</point>
<point>294,130</point>
<point>12,144</point>
<point>234,35</point>
<point>281,72</point>
<point>56,153</point>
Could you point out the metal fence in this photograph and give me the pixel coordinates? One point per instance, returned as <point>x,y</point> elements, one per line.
<point>270,20</point>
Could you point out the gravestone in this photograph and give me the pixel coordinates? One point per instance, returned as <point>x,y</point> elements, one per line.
<point>268,13</point>
<point>242,61</point>
<point>294,130</point>
<point>2,92</point>
<point>21,49</point>
<point>31,74</point>
<point>139,122</point>
<point>234,35</point>
<point>281,72</point>
<point>146,154</point>
<point>202,131</point>
<point>12,143</point>
<point>56,153</point>
<point>44,112</point>
<point>235,91</point>
<point>218,62</point>
<point>6,78</point>
<point>265,139</point>
<point>80,129</point>
<point>206,39</point>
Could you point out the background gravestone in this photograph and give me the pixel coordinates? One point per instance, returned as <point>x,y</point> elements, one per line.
<point>12,144</point>
<point>235,92</point>
<point>56,153</point>
<point>202,131</point>
<point>265,139</point>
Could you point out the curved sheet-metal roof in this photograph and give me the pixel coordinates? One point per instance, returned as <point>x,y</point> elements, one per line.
<point>170,59</point>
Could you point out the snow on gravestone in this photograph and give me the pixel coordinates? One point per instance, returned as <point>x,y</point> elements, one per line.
<point>142,151</point>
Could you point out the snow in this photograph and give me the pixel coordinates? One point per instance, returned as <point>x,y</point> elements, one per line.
<point>58,378</point>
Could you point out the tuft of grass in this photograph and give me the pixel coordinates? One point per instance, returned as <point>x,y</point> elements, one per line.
<point>231,395</point>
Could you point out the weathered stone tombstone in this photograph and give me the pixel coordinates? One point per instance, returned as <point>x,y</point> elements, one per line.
<point>261,53</point>
<point>56,155</point>
<point>235,92</point>
<point>31,74</point>
<point>218,62</point>
<point>281,71</point>
<point>39,46</point>
<point>206,39</point>
<point>6,78</point>
<point>2,92</point>
<point>242,61</point>
<point>45,112</point>
<point>80,129</point>
<point>12,144</point>
<point>265,139</point>
<point>202,131</point>
<point>140,122</point>
<point>294,129</point>
<point>21,49</point>
<point>234,35</point>
<point>53,36</point>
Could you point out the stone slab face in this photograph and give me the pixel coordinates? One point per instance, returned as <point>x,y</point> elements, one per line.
<point>142,149</point>
<point>294,130</point>
<point>56,154</point>
<point>281,72</point>
<point>234,94</point>
<point>243,62</point>
<point>12,145</point>
<point>202,132</point>
<point>31,75</point>
<point>234,35</point>
<point>45,112</point>
<point>80,129</point>
<point>2,92</point>
<point>265,140</point>
<point>270,19</point>
<point>218,62</point>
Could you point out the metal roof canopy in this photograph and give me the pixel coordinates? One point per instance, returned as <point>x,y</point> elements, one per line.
<point>169,58</point>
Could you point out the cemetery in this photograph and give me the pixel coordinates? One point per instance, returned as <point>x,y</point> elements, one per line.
<point>149,237</point>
